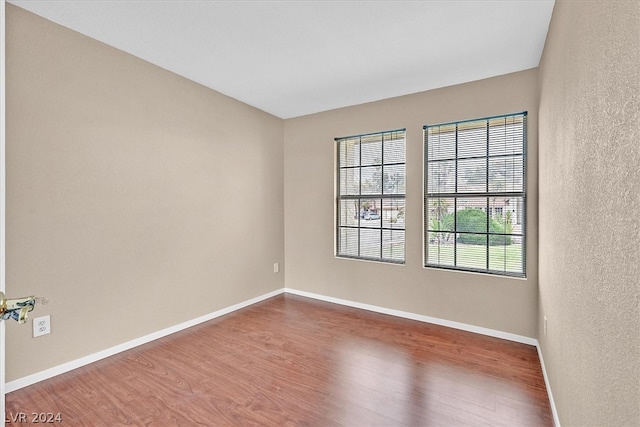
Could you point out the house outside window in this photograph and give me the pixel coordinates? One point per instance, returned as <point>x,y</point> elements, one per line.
<point>371,197</point>
<point>475,195</point>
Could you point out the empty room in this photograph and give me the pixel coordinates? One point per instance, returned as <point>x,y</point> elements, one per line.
<point>349,213</point>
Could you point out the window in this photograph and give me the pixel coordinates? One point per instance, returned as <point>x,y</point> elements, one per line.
<point>475,195</point>
<point>371,197</point>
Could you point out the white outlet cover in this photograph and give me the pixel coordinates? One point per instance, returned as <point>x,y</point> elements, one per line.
<point>41,326</point>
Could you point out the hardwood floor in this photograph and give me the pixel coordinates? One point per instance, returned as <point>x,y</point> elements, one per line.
<point>296,361</point>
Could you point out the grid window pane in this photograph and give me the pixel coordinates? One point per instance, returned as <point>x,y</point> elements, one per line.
<point>472,176</point>
<point>394,149</point>
<point>472,139</point>
<point>371,199</point>
<point>443,145</point>
<point>440,214</point>
<point>349,213</point>
<point>371,148</point>
<point>350,181</point>
<point>393,244</point>
<point>371,180</point>
<point>506,135</point>
<point>348,242</point>
<point>477,189</point>
<point>393,213</point>
<point>393,179</point>
<point>505,174</point>
<point>370,243</point>
<point>506,257</point>
<point>370,213</point>
<point>471,215</point>
<point>515,213</point>
<point>350,153</point>
<point>440,251</point>
<point>514,258</point>
<point>473,253</point>
<point>441,177</point>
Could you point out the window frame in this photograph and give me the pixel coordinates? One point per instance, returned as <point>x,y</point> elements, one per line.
<point>521,201</point>
<point>369,196</point>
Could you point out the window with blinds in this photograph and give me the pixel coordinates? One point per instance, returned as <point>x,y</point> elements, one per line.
<point>371,197</point>
<point>475,195</point>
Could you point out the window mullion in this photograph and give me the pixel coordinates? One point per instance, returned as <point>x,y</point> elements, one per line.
<point>455,205</point>
<point>455,231</point>
<point>339,203</point>
<point>381,189</point>
<point>360,194</point>
<point>486,189</point>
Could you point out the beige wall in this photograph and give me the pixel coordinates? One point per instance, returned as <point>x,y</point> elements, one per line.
<point>503,304</point>
<point>136,199</point>
<point>589,204</point>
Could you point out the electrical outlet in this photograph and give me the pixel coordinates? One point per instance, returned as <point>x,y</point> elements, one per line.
<point>276,267</point>
<point>41,326</point>
<point>545,325</point>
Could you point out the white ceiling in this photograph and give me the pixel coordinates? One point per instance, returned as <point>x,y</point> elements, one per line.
<point>292,58</point>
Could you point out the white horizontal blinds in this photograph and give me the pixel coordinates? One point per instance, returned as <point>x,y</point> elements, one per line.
<point>371,196</point>
<point>476,195</point>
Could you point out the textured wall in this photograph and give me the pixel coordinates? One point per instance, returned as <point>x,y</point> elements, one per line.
<point>589,205</point>
<point>136,199</point>
<point>500,303</point>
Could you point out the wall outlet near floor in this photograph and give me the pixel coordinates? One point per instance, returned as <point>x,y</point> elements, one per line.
<point>41,326</point>
<point>545,325</point>
<point>276,267</point>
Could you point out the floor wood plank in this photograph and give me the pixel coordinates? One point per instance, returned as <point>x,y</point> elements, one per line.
<point>295,361</point>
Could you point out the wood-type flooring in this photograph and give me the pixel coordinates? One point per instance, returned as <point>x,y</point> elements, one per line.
<point>295,361</point>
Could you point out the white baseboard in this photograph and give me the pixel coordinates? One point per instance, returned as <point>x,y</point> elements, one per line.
<point>552,403</point>
<point>443,322</point>
<point>66,367</point>
<point>419,317</point>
